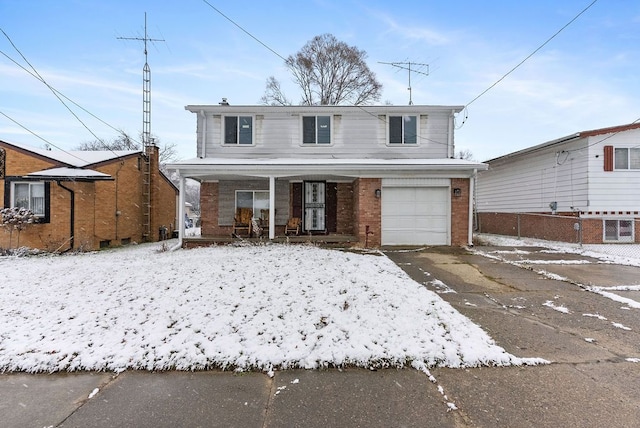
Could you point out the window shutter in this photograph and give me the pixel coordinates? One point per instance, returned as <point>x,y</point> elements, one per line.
<point>608,158</point>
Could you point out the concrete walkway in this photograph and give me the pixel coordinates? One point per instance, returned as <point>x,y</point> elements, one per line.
<point>592,381</point>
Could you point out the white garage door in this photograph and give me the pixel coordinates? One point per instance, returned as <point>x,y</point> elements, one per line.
<point>415,216</point>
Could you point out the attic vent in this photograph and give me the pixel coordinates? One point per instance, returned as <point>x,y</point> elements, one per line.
<point>224,102</point>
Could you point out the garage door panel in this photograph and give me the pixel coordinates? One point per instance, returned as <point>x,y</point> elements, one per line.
<point>415,216</point>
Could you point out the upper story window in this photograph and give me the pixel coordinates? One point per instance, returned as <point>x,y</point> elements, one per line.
<point>29,196</point>
<point>238,130</point>
<point>403,129</point>
<point>316,129</point>
<point>627,158</point>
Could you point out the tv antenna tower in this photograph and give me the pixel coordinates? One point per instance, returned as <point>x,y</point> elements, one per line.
<point>407,66</point>
<point>146,86</point>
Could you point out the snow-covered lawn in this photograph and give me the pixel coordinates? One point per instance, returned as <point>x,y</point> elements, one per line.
<point>252,307</point>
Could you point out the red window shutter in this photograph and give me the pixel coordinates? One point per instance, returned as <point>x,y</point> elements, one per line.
<point>608,158</point>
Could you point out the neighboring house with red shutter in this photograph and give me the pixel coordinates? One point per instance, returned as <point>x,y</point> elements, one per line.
<point>369,175</point>
<point>584,187</point>
<point>86,200</point>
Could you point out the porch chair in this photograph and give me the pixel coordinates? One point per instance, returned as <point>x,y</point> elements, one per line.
<point>242,222</point>
<point>293,226</point>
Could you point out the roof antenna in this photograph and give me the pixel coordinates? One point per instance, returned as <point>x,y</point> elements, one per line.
<point>146,86</point>
<point>407,66</point>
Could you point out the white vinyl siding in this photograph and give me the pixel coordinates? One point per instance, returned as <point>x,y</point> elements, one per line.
<point>354,133</point>
<point>616,190</point>
<point>529,183</point>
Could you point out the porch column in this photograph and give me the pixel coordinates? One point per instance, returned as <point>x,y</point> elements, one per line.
<point>182,199</point>
<point>272,207</point>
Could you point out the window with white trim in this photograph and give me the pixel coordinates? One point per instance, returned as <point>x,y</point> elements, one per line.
<point>627,158</point>
<point>257,200</point>
<point>316,130</point>
<point>238,130</point>
<point>618,230</point>
<point>403,129</point>
<point>28,195</point>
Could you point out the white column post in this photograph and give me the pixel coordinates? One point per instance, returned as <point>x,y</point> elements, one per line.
<point>272,207</point>
<point>181,207</point>
<point>472,197</point>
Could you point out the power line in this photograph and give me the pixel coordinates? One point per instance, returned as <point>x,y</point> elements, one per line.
<point>62,95</point>
<point>244,31</point>
<point>532,53</point>
<point>51,88</point>
<point>42,138</point>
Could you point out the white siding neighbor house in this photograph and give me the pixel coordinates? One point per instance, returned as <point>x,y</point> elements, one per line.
<point>593,176</point>
<point>374,175</point>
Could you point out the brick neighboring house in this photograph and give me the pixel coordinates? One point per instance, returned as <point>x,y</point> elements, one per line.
<point>86,199</point>
<point>580,188</point>
<point>378,175</point>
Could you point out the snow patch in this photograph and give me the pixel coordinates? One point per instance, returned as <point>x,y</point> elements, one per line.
<point>266,307</point>
<point>561,308</point>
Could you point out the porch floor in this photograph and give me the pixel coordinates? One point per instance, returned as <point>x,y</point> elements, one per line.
<point>328,240</point>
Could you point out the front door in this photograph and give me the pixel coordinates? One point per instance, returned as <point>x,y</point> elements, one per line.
<point>314,206</point>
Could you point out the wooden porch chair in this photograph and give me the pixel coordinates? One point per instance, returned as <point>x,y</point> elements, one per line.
<point>293,226</point>
<point>242,222</point>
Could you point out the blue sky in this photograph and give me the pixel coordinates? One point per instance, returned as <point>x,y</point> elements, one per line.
<point>585,78</point>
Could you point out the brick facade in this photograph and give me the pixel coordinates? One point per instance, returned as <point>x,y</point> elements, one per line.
<point>562,227</point>
<point>345,209</point>
<point>106,212</point>
<point>460,211</point>
<point>367,212</point>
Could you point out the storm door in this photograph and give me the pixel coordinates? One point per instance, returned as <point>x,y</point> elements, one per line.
<point>314,206</point>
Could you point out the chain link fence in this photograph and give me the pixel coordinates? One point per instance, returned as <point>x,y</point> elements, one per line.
<point>569,228</point>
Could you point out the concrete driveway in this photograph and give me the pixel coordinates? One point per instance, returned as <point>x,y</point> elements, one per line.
<point>537,304</point>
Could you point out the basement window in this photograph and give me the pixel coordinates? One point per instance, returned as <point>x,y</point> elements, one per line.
<point>618,231</point>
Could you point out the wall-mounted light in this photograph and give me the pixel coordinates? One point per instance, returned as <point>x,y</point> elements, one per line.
<point>378,193</point>
<point>457,191</point>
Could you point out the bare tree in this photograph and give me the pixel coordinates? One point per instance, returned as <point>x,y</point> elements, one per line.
<point>329,72</point>
<point>273,94</point>
<point>168,151</point>
<point>465,155</point>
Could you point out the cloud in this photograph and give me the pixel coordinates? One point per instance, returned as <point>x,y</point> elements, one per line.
<point>415,33</point>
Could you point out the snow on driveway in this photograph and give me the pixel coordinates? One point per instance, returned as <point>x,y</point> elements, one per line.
<point>242,308</point>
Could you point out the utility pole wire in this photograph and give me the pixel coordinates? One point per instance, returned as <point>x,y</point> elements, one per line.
<point>244,31</point>
<point>532,53</point>
<point>53,91</point>
<point>63,96</point>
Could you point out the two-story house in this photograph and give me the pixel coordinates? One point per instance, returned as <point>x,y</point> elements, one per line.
<point>86,200</point>
<point>579,188</point>
<point>385,175</point>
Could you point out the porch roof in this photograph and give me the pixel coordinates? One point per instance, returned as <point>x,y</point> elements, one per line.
<point>230,168</point>
<point>68,174</point>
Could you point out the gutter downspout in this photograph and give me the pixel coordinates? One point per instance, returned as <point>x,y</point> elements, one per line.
<point>203,151</point>
<point>181,228</point>
<point>72,216</point>
<point>450,148</point>
<point>472,196</point>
